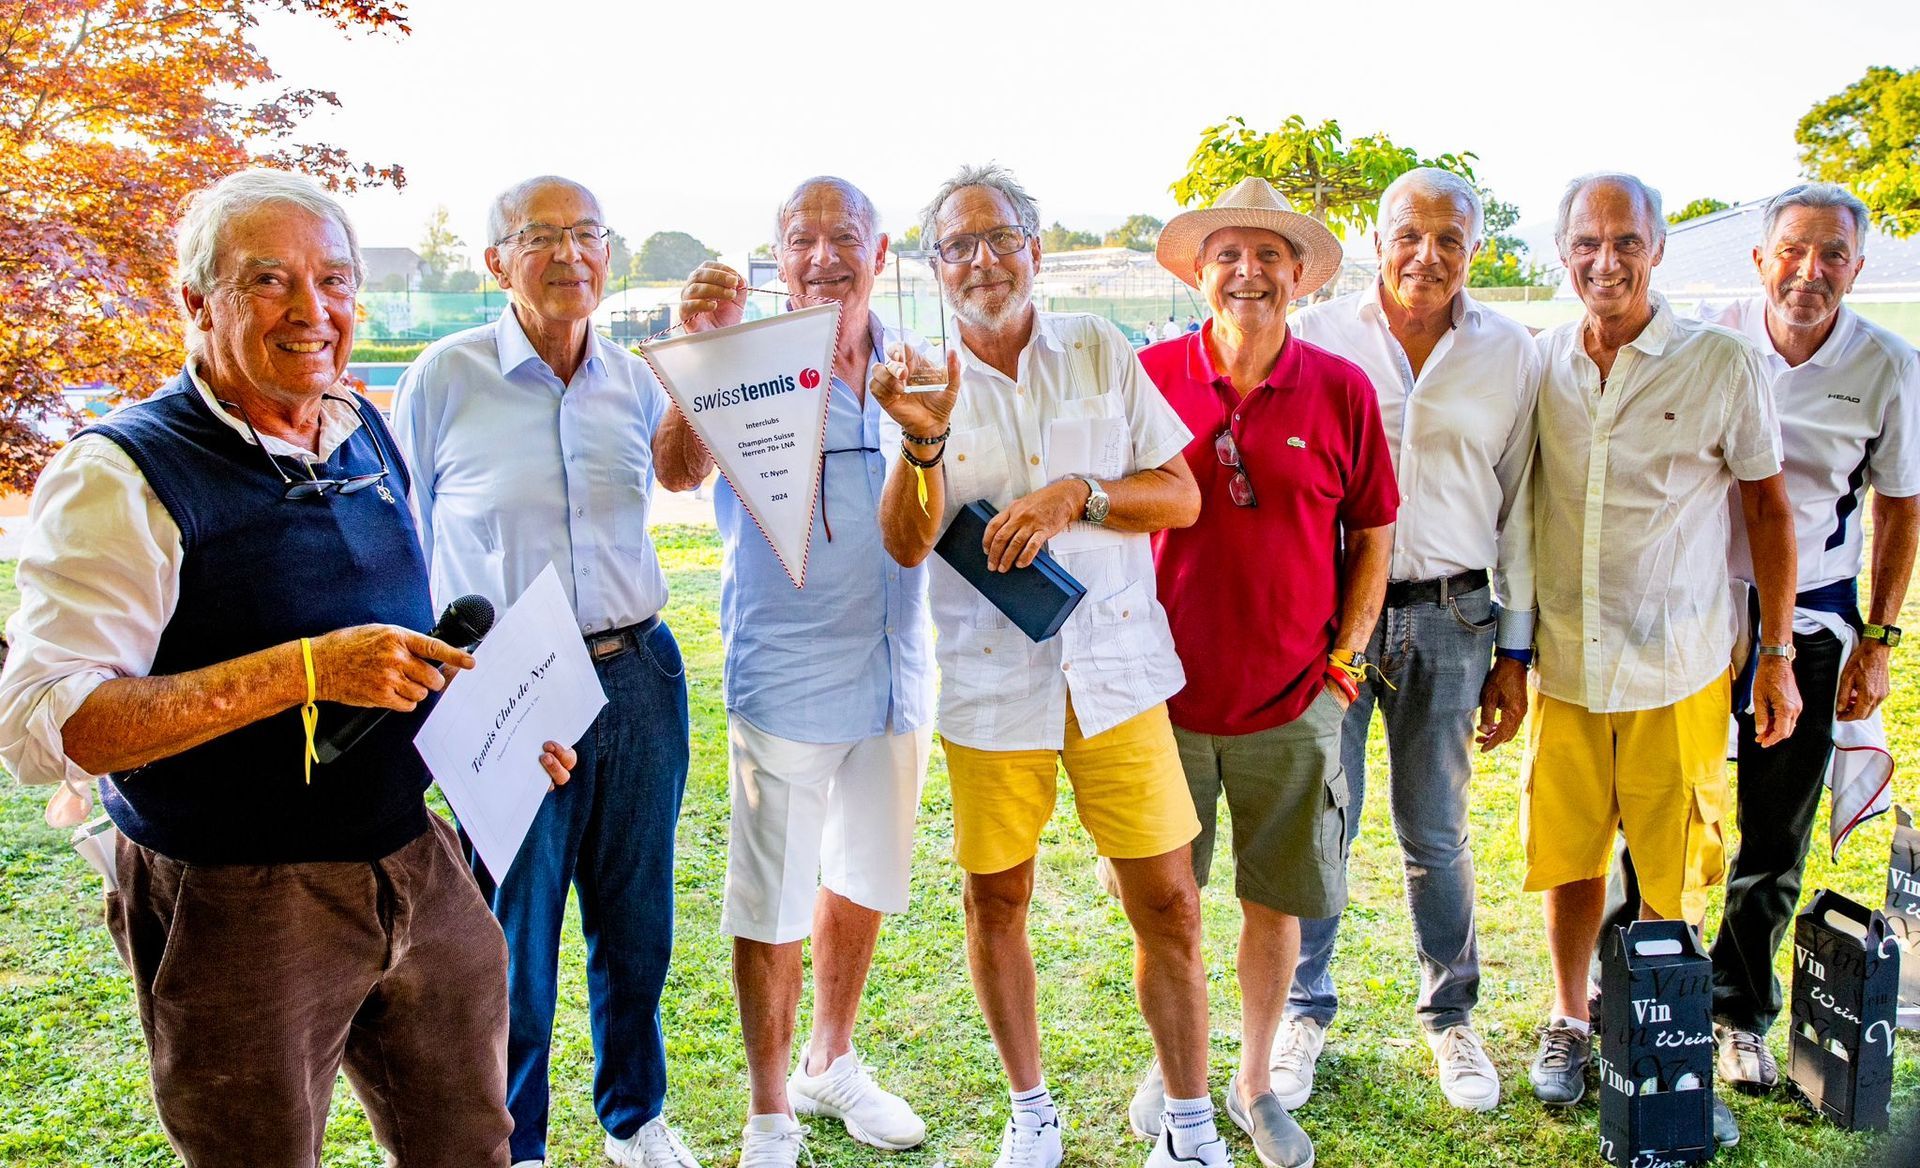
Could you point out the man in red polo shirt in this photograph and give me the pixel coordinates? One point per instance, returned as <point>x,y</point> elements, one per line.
<point>1269,614</point>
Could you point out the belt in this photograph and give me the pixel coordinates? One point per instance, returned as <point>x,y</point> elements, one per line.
<point>614,642</point>
<point>1401,593</point>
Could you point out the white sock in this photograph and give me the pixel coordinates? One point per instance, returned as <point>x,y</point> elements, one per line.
<point>1038,1101</point>
<point>1190,1123</point>
<point>773,1121</point>
<point>1584,1028</point>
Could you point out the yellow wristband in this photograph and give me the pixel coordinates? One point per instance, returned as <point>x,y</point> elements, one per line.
<point>309,713</point>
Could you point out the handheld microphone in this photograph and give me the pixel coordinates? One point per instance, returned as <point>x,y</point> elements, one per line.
<point>463,623</point>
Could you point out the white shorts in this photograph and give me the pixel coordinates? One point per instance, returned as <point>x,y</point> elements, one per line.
<point>806,814</point>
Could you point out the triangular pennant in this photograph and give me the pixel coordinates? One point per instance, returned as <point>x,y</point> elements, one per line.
<point>756,394</point>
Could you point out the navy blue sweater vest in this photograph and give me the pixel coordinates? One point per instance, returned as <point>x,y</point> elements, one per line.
<point>261,570</point>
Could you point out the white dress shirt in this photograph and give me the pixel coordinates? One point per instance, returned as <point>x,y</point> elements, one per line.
<point>1849,419</point>
<point>1114,657</point>
<point>1630,524</point>
<point>512,470</point>
<point>1462,436</point>
<point>99,578</point>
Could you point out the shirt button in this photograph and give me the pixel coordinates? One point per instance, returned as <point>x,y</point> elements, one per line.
<point>1078,345</point>
<point>584,571</point>
<point>987,649</point>
<point>889,630</point>
<point>959,458</point>
<point>1065,665</point>
<point>1124,614</point>
<point>1034,459</point>
<point>579,510</point>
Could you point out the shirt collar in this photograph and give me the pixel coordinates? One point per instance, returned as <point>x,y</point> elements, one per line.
<point>516,349</point>
<point>1828,354</point>
<point>1200,366</point>
<point>1653,339</point>
<point>1371,304</point>
<point>337,420</point>
<point>1044,333</point>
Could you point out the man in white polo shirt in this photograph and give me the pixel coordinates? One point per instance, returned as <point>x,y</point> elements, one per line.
<point>1848,392</point>
<point>1457,385</point>
<point>1646,423</point>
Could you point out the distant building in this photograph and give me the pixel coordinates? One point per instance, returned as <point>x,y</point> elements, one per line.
<point>392,269</point>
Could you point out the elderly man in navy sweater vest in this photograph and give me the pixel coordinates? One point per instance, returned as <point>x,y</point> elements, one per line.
<point>202,567</point>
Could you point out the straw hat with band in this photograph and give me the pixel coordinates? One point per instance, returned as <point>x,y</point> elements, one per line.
<point>1253,203</point>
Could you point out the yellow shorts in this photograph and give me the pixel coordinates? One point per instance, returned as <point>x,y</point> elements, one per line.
<point>1127,784</point>
<point>1658,775</point>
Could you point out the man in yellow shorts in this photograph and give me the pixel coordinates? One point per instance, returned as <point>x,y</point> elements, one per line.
<point>1646,423</point>
<point>1049,417</point>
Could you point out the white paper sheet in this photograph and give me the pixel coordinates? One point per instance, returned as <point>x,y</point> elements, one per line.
<point>1085,446</point>
<point>532,683</point>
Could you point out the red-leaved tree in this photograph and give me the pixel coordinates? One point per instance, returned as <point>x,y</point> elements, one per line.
<point>111,111</point>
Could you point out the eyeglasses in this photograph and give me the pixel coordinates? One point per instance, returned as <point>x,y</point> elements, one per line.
<point>1240,487</point>
<point>958,249</point>
<point>314,488</point>
<point>545,237</point>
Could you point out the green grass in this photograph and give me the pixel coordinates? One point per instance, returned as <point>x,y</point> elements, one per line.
<point>73,1071</point>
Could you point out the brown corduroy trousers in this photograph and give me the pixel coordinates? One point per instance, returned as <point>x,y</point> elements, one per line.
<point>256,982</point>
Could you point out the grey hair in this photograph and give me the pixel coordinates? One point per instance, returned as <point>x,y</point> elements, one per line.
<point>855,199</point>
<point>510,205</point>
<point>991,175</point>
<point>1817,194</point>
<point>206,213</point>
<point>1618,178</point>
<point>1435,183</point>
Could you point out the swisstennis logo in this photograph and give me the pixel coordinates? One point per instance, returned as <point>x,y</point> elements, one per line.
<point>809,379</point>
<point>748,391</point>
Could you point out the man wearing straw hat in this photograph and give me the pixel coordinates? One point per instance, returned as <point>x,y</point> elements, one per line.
<point>1456,384</point>
<point>829,704</point>
<point>1292,463</point>
<point>1052,421</point>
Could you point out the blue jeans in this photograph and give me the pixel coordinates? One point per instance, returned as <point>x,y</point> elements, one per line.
<point>1437,657</point>
<point>609,833</point>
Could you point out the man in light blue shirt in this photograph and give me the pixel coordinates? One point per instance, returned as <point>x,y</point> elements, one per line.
<point>530,443</point>
<point>828,698</point>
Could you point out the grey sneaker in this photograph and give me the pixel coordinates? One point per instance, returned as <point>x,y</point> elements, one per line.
<point>1277,1140</point>
<point>1149,1103</point>
<point>1744,1061</point>
<point>1726,1133</point>
<point>1296,1051</point>
<point>1559,1071</point>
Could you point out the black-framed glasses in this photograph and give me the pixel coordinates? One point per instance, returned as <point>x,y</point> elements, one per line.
<point>546,237</point>
<point>1239,487</point>
<point>958,249</point>
<point>312,487</point>
<point>826,523</point>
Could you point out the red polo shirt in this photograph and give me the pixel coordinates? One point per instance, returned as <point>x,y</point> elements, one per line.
<point>1253,593</point>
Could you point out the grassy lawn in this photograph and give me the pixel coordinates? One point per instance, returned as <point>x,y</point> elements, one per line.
<point>73,1071</point>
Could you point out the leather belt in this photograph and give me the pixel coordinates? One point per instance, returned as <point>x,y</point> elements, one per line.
<point>1401,593</point>
<point>614,642</point>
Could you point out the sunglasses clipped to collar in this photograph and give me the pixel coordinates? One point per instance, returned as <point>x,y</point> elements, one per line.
<point>313,487</point>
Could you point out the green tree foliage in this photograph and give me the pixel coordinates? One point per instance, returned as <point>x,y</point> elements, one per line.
<point>908,240</point>
<point>761,251</point>
<point>1503,261</point>
<point>1867,136</point>
<point>1059,238</point>
<point>1139,232</point>
<point>439,252</point>
<point>1315,168</point>
<point>1697,208</point>
<point>463,280</point>
<point>672,255</point>
<point>620,257</point>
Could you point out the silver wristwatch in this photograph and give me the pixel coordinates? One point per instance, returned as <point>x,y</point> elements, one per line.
<point>1097,502</point>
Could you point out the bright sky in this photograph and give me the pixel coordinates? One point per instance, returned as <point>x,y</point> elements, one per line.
<point>700,117</point>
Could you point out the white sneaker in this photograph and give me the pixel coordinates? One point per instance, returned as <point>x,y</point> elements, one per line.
<point>1296,1048</point>
<point>529,1164</point>
<point>1212,1154</point>
<point>1149,1103</point>
<point>1029,1143</point>
<point>1467,1077</point>
<point>774,1146</point>
<point>844,1091</point>
<point>653,1146</point>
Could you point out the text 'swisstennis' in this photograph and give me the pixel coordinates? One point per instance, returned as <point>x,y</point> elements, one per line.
<point>756,395</point>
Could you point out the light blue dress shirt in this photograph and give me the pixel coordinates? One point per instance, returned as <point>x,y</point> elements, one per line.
<point>513,469</point>
<point>849,656</point>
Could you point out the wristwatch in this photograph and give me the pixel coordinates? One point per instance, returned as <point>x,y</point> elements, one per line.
<point>1097,502</point>
<point>1888,635</point>
<point>1787,651</point>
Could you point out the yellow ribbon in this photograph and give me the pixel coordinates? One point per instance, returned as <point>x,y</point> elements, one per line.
<point>920,486</point>
<point>309,713</point>
<point>1342,659</point>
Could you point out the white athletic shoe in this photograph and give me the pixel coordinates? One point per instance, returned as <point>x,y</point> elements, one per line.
<point>1029,1143</point>
<point>653,1146</point>
<point>778,1147</point>
<point>1212,1154</point>
<point>844,1091</point>
<point>1296,1048</point>
<point>1149,1103</point>
<point>1467,1077</point>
